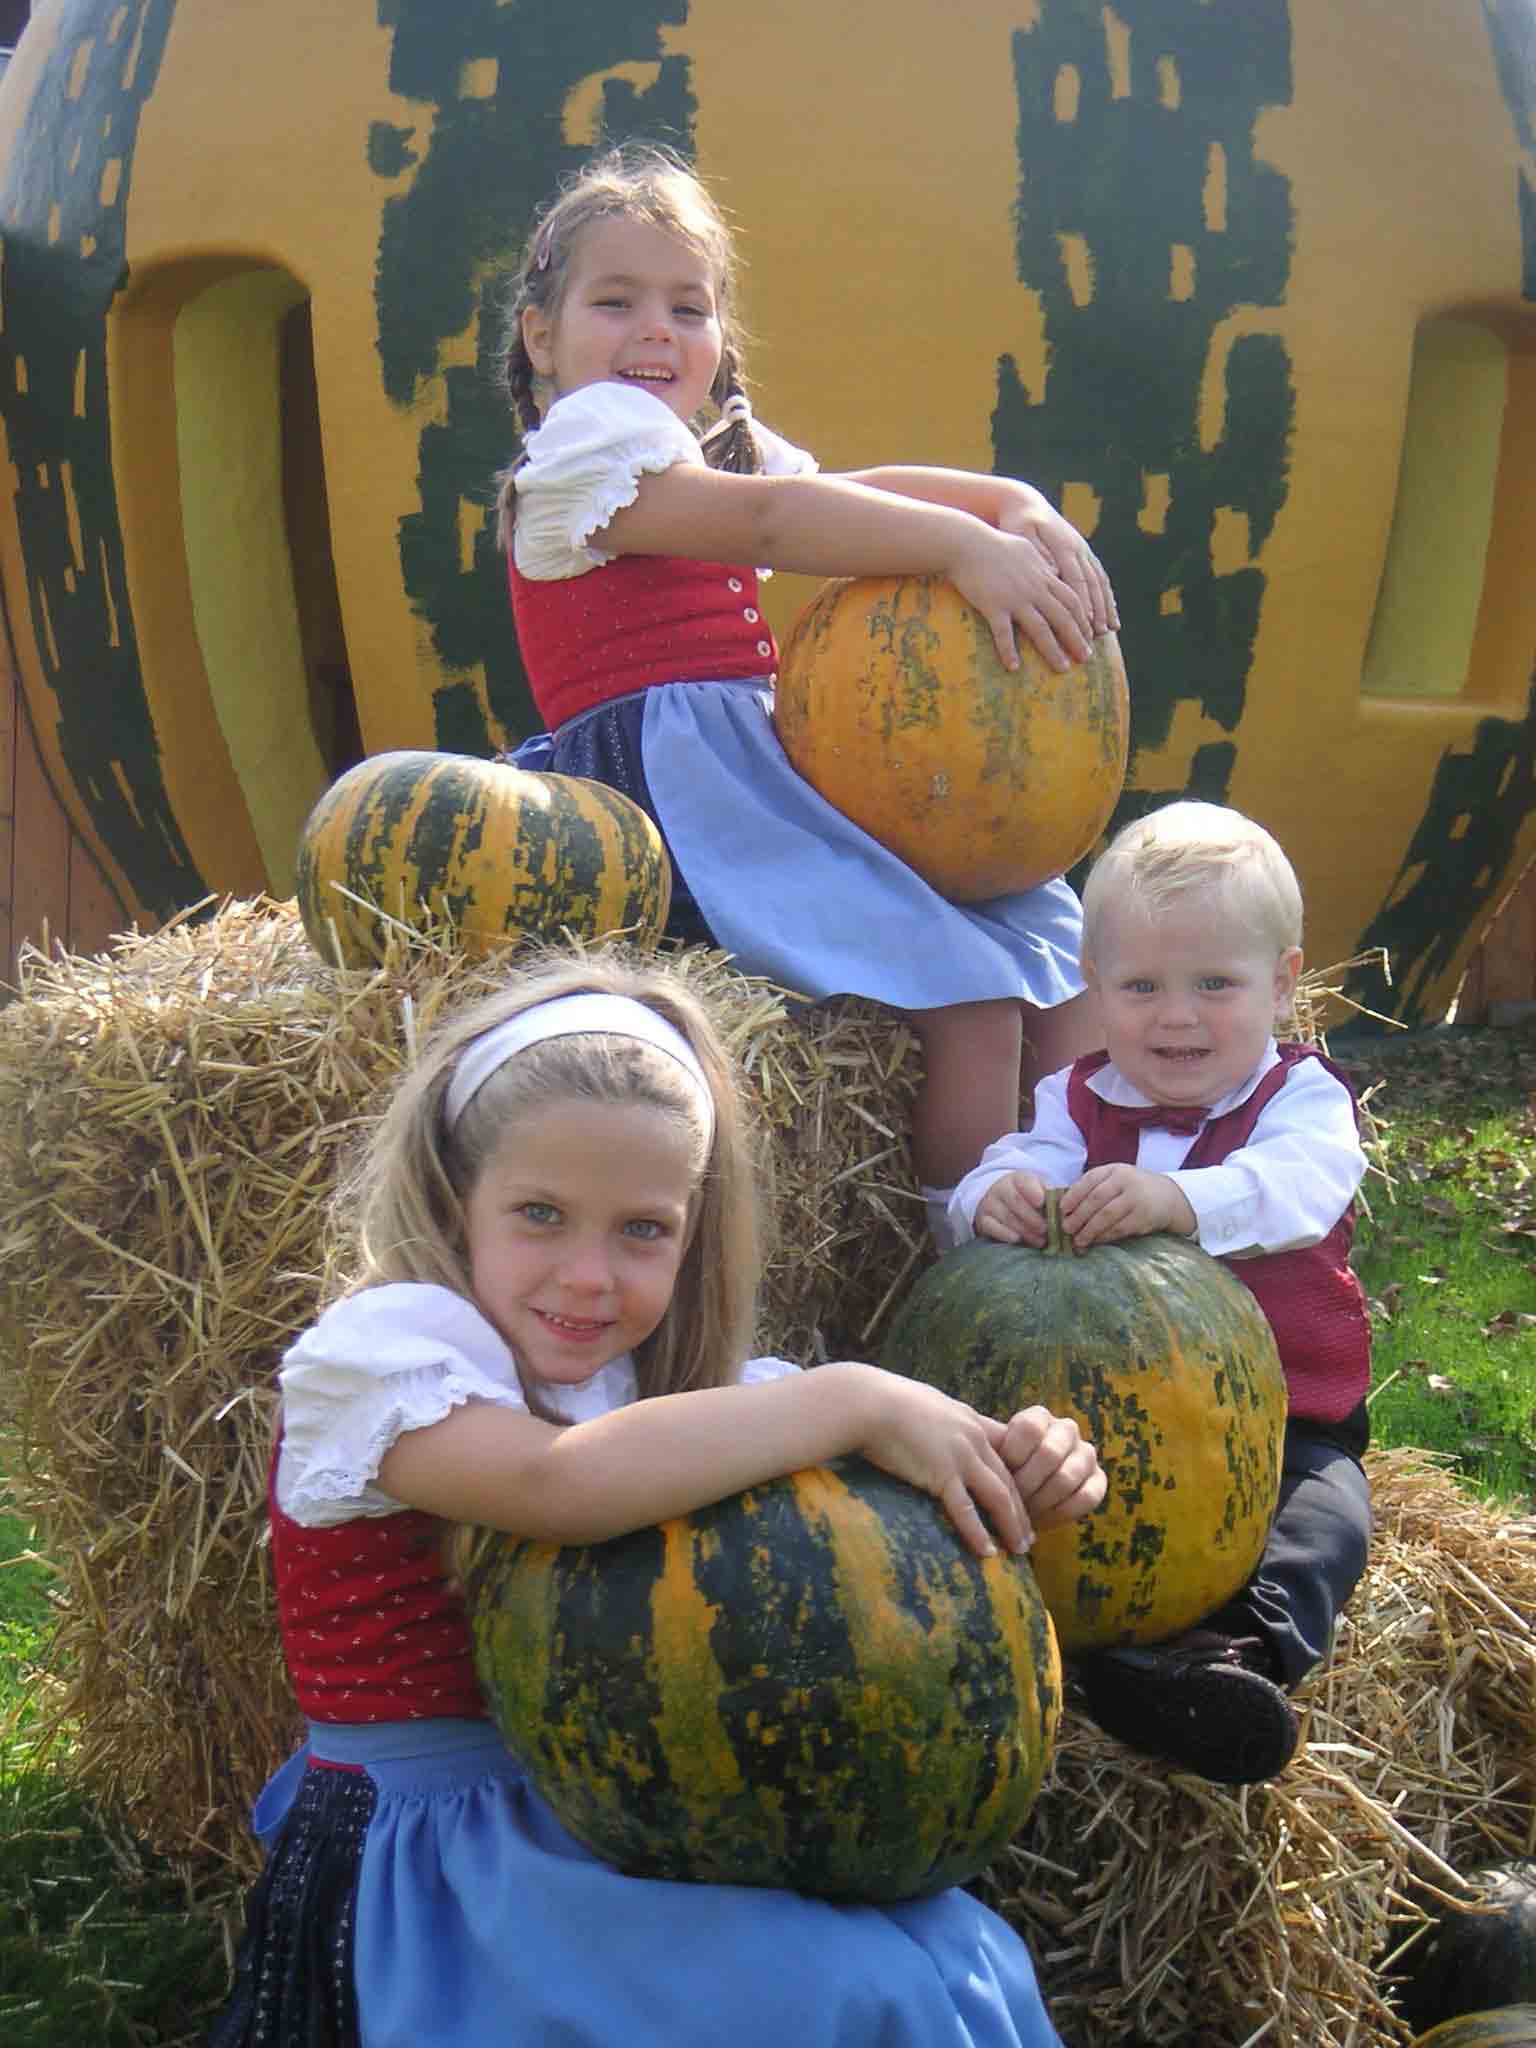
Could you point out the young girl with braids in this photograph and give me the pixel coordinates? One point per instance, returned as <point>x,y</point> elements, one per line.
<point>555,1236</point>
<point>632,544</point>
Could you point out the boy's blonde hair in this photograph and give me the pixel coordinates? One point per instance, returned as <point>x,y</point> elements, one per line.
<point>403,1207</point>
<point>637,181</point>
<point>1186,848</point>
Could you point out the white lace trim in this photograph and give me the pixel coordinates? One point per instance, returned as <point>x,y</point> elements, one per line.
<point>632,460</point>
<point>585,464</point>
<point>327,1493</point>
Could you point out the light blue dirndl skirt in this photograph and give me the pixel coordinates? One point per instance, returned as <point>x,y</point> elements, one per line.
<point>481,1923</point>
<point>787,884</point>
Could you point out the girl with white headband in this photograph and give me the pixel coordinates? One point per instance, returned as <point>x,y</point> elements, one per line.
<point>635,522</point>
<point>555,1232</point>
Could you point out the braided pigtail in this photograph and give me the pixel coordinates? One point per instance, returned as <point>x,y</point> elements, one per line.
<point>518,375</point>
<point>730,444</point>
<point>535,285</point>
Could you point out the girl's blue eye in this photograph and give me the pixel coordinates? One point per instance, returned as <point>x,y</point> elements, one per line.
<point>645,1227</point>
<point>540,1212</point>
<point>1138,988</point>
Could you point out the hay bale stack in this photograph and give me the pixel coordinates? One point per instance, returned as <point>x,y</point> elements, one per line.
<point>172,1118</point>
<point>1161,1909</point>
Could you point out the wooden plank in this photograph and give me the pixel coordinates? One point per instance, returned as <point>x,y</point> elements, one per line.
<point>10,716</point>
<point>1503,969</point>
<point>95,914</point>
<point>1472,996</point>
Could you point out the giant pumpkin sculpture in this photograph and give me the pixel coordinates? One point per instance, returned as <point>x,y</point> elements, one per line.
<point>1250,291</point>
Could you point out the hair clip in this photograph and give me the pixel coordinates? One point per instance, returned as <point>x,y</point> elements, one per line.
<point>542,247</point>
<point>737,407</point>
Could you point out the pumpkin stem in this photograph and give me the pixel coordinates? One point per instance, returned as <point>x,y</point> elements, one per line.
<point>1057,1243</point>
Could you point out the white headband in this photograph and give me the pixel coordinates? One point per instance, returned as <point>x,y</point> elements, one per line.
<point>564,1017</point>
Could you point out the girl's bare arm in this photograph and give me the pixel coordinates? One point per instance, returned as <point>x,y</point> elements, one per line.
<point>835,526</point>
<point>1014,507</point>
<point>667,1456</point>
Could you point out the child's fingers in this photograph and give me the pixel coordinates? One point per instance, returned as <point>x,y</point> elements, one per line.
<point>1003,639</point>
<point>1075,1489</point>
<point>1007,1214</point>
<point>1052,626</point>
<point>994,1222</point>
<point>1106,1223</point>
<point>1056,1471</point>
<point>982,1501</point>
<point>1081,568</point>
<point>1106,615</point>
<point>1035,1447</point>
<point>1096,1206</point>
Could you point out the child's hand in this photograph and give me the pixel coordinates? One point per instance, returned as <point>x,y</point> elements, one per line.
<point>1012,581</point>
<point>1032,514</point>
<point>1115,1202</point>
<point>1013,1210</point>
<point>1055,1469</point>
<point>944,1447</point>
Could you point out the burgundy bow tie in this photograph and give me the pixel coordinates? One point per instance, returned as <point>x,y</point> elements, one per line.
<point>1156,1117</point>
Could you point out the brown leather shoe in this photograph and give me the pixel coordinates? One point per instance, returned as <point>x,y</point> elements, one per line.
<point>1199,1701</point>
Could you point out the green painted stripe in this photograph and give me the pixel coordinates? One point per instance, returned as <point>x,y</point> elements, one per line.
<point>57,298</point>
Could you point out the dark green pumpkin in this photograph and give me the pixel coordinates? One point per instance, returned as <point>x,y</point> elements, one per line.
<point>494,851</point>
<point>1505,2026</point>
<point>812,1684</point>
<point>1170,1368</point>
<point>1477,1955</point>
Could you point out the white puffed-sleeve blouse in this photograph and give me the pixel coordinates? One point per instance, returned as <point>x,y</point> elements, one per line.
<point>402,1357</point>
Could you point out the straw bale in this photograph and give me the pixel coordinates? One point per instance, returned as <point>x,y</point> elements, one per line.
<point>1161,1909</point>
<point>173,1117</point>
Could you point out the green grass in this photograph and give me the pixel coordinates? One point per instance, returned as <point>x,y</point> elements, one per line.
<point>1446,1258</point>
<point>102,1943</point>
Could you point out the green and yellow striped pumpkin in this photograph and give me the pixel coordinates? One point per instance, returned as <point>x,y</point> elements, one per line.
<point>497,852</point>
<point>1170,1368</point>
<point>811,1684</point>
<point>1506,2026</point>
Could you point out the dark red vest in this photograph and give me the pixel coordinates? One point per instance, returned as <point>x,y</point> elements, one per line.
<point>1314,1302</point>
<point>371,1629</point>
<point>643,619</point>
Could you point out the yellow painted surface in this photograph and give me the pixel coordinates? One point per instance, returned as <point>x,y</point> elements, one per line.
<point>1432,582</point>
<point>229,450</point>
<point>273,166</point>
<point>1340,778</point>
<point>880,269</point>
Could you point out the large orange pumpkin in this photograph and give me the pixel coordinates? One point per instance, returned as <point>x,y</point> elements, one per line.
<point>893,704</point>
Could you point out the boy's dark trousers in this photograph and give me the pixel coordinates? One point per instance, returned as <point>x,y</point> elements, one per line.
<point>1316,1550</point>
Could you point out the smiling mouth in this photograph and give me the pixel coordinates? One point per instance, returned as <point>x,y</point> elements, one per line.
<point>648,376</point>
<point>571,1326</point>
<point>1181,1052</point>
